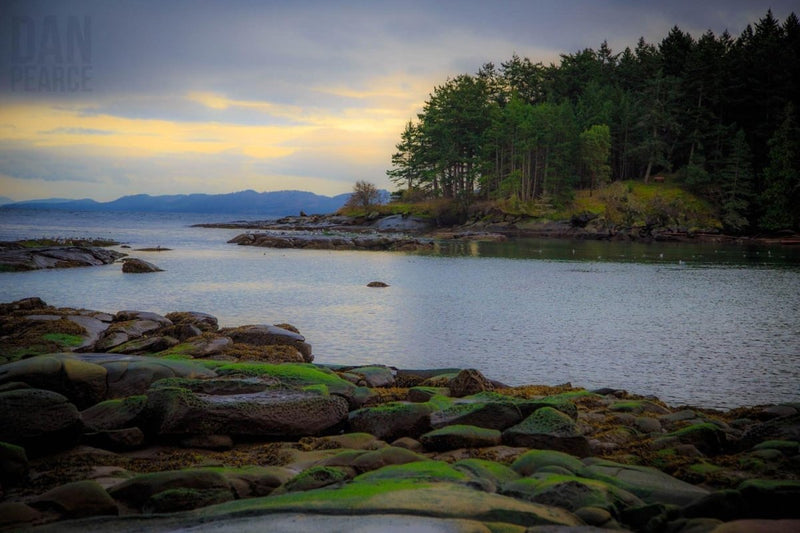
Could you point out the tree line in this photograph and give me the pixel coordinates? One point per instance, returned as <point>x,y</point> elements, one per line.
<point>716,113</point>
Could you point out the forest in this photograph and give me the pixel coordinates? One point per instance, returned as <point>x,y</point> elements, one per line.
<point>715,114</point>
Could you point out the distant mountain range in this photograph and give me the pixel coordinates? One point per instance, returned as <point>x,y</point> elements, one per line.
<point>274,203</point>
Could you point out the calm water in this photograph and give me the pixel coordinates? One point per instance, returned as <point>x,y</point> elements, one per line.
<point>703,325</point>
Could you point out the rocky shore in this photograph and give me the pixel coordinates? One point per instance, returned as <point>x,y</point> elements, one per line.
<point>409,233</point>
<point>138,421</point>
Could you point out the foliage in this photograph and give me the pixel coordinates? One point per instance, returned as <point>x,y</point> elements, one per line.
<point>364,195</point>
<point>715,112</point>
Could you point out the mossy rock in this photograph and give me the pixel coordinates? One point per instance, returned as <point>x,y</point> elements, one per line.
<point>295,374</point>
<point>532,461</point>
<point>385,457</point>
<point>403,497</point>
<point>115,414</point>
<point>649,484</point>
<point>316,477</point>
<point>496,473</point>
<point>185,499</point>
<point>548,428</point>
<point>497,415</point>
<point>424,394</point>
<point>707,437</point>
<point>638,407</point>
<point>392,420</point>
<point>572,493</point>
<point>417,471</point>
<point>460,436</point>
<point>787,447</point>
<point>138,490</point>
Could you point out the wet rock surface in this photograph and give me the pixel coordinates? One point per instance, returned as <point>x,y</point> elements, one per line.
<point>236,441</point>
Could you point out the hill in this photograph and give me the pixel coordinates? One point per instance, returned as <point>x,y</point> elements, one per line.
<point>273,203</point>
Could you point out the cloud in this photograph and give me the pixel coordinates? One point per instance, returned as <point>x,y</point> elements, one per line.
<point>211,96</point>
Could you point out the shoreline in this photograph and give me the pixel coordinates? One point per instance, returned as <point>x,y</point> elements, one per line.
<point>494,230</point>
<point>126,416</point>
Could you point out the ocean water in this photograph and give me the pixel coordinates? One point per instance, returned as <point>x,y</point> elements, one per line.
<point>705,325</point>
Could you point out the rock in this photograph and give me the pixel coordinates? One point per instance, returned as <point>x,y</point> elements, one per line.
<point>316,477</point>
<point>175,500</point>
<point>122,331</point>
<point>25,304</point>
<point>771,498</point>
<point>492,415</point>
<point>706,437</point>
<point>78,499</point>
<point>460,436</point>
<point>145,345</point>
<point>548,428</point>
<point>14,515</point>
<point>375,376</point>
<point>424,394</point>
<point>468,382</point>
<point>202,321</point>
<point>649,484</point>
<point>82,382</point>
<point>115,414</point>
<point>137,491</point>
<point>402,223</point>
<point>271,413</point>
<point>572,493</point>
<point>386,456</point>
<point>725,505</point>
<point>532,461</point>
<point>377,284</point>
<point>13,464</point>
<point>116,439</point>
<point>758,526</point>
<point>392,420</point>
<point>261,335</point>
<point>134,265</point>
<point>20,259</point>
<point>38,420</point>
<point>255,481</point>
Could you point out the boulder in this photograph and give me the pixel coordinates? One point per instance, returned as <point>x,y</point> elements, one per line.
<point>271,413</point>
<point>13,464</point>
<point>572,493</point>
<point>115,414</point>
<point>202,321</point>
<point>493,415</point>
<point>392,420</point>
<point>260,335</point>
<point>38,420</point>
<point>469,381</point>
<point>550,429</point>
<point>122,331</point>
<point>134,265</point>
<point>649,484</point>
<point>137,491</point>
<point>533,461</point>
<point>84,383</point>
<point>78,499</point>
<point>15,515</point>
<point>375,376</point>
<point>21,259</point>
<point>460,436</point>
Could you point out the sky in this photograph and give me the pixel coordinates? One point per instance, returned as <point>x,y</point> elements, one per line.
<point>101,99</point>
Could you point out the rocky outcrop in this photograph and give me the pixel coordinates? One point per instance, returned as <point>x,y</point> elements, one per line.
<point>15,257</point>
<point>134,265</point>
<point>332,242</point>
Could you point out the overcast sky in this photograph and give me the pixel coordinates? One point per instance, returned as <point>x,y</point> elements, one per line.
<point>107,98</point>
